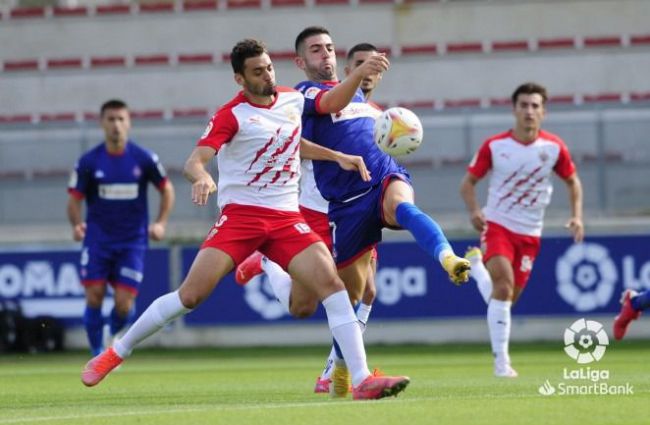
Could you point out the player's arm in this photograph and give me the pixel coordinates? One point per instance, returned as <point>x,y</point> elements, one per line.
<point>468,193</point>
<point>340,96</point>
<point>167,197</point>
<point>75,217</point>
<point>310,150</point>
<point>575,225</point>
<point>194,171</point>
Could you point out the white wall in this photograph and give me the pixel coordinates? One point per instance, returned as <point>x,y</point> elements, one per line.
<point>409,79</point>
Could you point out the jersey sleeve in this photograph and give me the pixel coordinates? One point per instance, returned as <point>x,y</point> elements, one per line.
<point>564,167</point>
<point>312,96</point>
<point>481,162</point>
<point>80,178</point>
<point>155,170</point>
<point>220,130</point>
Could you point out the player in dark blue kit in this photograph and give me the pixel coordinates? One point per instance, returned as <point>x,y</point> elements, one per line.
<point>113,178</point>
<point>340,119</point>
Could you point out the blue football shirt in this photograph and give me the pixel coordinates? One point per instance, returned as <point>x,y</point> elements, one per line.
<point>349,131</point>
<point>115,189</point>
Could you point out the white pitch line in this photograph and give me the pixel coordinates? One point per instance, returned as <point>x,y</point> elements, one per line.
<point>532,394</point>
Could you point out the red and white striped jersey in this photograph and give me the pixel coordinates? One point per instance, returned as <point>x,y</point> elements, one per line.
<point>520,185</point>
<point>258,150</point>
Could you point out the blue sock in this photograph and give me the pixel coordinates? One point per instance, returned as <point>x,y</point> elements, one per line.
<point>117,323</point>
<point>641,301</point>
<point>94,323</point>
<point>424,229</point>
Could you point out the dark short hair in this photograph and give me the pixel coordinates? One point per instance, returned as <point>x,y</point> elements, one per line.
<point>361,47</point>
<point>530,88</point>
<point>112,104</point>
<point>308,32</point>
<point>248,48</point>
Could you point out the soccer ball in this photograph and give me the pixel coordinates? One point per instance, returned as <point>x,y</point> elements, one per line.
<point>398,131</point>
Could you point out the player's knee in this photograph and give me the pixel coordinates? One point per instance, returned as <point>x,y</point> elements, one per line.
<point>122,309</point>
<point>302,311</point>
<point>503,292</point>
<point>95,296</point>
<point>190,300</point>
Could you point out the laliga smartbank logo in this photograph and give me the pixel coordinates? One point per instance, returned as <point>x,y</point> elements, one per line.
<point>585,342</point>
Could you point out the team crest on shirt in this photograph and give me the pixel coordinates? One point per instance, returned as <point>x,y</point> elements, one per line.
<point>293,114</point>
<point>312,92</point>
<point>543,156</point>
<point>137,172</point>
<point>255,119</point>
<point>99,174</point>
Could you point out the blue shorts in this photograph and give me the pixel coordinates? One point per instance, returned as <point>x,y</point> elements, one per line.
<point>357,224</point>
<point>121,266</point>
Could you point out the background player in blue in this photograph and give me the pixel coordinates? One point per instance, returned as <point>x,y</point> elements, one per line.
<point>340,119</point>
<point>112,178</point>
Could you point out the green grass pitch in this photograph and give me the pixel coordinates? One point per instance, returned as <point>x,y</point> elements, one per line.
<point>451,384</point>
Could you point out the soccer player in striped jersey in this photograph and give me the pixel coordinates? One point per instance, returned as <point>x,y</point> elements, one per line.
<point>257,140</point>
<point>314,208</point>
<point>522,161</point>
<point>113,178</point>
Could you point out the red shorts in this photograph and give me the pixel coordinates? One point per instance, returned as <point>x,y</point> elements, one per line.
<point>521,250</point>
<point>319,223</point>
<point>242,229</point>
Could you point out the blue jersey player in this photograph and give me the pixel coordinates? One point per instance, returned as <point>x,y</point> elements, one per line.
<point>112,178</point>
<point>341,119</point>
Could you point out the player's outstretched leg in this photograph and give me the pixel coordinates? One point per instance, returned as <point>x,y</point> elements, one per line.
<point>162,311</point>
<point>249,268</point>
<point>479,272</point>
<point>430,237</point>
<point>627,314</point>
<point>279,279</point>
<point>100,366</point>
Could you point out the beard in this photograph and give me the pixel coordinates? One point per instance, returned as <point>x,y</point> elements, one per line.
<point>321,74</point>
<point>261,90</point>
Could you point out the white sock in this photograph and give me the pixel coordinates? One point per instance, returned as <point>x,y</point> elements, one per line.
<point>162,311</point>
<point>498,318</point>
<point>362,317</point>
<point>346,331</point>
<point>280,281</point>
<point>482,277</point>
<point>327,371</point>
<point>363,313</point>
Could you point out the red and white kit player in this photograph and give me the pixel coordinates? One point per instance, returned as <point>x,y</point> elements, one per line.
<point>257,138</point>
<point>314,208</point>
<point>522,162</point>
